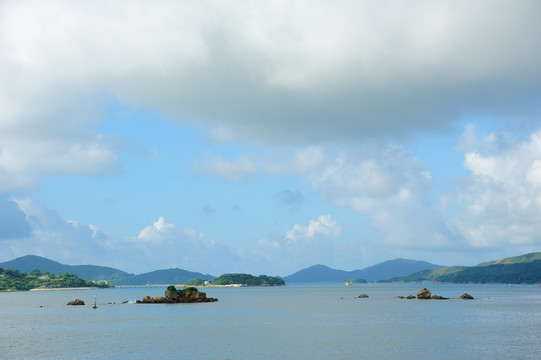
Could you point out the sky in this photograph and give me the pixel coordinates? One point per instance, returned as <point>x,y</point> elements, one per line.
<point>267,137</point>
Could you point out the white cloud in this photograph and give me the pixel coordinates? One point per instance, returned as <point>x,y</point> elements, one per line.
<point>157,232</point>
<point>161,245</point>
<point>379,181</point>
<point>284,72</point>
<point>392,189</point>
<point>318,242</point>
<point>271,162</point>
<point>166,245</point>
<point>501,202</point>
<point>24,158</point>
<point>63,240</point>
<point>324,226</point>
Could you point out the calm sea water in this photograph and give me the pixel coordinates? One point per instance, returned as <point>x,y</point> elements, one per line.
<point>292,322</point>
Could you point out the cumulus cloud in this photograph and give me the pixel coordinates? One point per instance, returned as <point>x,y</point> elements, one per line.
<point>272,161</point>
<point>24,158</point>
<point>390,187</point>
<point>501,202</point>
<point>167,245</point>
<point>159,231</point>
<point>37,230</point>
<point>317,242</point>
<point>324,226</point>
<point>49,235</point>
<point>379,181</point>
<point>307,71</point>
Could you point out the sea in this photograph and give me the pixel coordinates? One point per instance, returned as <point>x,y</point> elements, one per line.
<point>306,321</point>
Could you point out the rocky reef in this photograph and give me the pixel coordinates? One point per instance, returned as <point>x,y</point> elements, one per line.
<point>174,296</point>
<point>76,302</point>
<point>426,294</point>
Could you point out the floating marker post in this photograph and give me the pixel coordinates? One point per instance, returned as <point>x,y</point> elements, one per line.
<point>95,306</point>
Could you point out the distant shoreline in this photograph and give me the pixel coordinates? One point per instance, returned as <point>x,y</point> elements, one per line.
<point>210,285</point>
<point>53,289</point>
<point>66,288</point>
<point>230,285</point>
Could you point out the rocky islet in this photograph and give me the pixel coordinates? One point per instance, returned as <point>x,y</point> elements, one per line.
<point>174,296</point>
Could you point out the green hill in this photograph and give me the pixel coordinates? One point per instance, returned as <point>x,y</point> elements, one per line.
<point>19,280</point>
<point>249,280</point>
<point>113,276</point>
<point>524,269</point>
<point>514,260</point>
<point>29,263</point>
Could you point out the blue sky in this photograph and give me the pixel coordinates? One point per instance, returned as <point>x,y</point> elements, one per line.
<point>269,137</point>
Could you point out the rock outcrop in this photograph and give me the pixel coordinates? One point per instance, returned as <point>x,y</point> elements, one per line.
<point>173,296</point>
<point>423,293</point>
<point>362,296</point>
<point>76,302</point>
<point>437,297</point>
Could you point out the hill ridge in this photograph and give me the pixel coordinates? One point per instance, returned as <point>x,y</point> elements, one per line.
<point>113,276</point>
<point>380,271</point>
<point>522,269</point>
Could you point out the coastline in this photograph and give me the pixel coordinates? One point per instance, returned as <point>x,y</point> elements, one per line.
<point>230,285</point>
<point>67,288</point>
<point>210,285</point>
<point>50,289</point>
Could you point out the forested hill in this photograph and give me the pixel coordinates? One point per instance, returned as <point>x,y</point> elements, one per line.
<point>248,280</point>
<point>19,280</point>
<point>113,276</point>
<point>514,259</point>
<point>525,269</point>
<point>29,263</point>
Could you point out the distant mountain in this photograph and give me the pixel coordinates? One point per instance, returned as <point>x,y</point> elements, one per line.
<point>93,272</point>
<point>321,273</point>
<point>524,269</point>
<point>88,272</point>
<point>166,277</point>
<point>393,268</point>
<point>381,271</point>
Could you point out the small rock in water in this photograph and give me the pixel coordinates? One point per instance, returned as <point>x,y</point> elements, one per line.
<point>362,296</point>
<point>409,297</point>
<point>76,302</point>
<point>437,297</point>
<point>423,293</point>
<point>466,296</point>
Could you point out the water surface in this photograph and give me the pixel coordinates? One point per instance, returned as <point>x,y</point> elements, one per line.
<point>292,322</point>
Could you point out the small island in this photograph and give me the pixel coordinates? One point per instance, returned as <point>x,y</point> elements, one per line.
<point>15,280</point>
<point>174,296</point>
<point>239,280</point>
